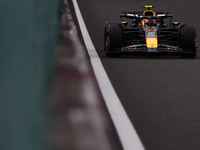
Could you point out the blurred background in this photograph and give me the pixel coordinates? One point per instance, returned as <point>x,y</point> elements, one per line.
<point>49,97</point>
<point>29,32</point>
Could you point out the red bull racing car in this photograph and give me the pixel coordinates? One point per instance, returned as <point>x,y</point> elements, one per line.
<point>148,33</point>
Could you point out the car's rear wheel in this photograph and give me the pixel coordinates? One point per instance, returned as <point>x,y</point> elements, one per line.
<point>188,41</point>
<point>112,39</point>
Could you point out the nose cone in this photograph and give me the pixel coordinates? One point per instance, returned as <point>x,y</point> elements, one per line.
<point>152,42</point>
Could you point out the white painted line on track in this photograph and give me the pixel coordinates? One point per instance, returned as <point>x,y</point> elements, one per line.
<point>126,132</point>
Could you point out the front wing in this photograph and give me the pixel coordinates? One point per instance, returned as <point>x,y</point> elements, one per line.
<point>142,48</point>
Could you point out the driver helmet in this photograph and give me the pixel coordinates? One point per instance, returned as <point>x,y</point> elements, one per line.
<point>151,22</point>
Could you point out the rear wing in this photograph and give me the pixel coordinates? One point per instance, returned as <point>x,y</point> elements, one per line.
<point>139,16</point>
<point>134,15</point>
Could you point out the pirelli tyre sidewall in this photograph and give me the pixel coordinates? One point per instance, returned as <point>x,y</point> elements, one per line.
<point>112,38</point>
<point>188,41</point>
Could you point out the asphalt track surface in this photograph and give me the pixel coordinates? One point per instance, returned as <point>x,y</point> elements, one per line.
<point>161,94</point>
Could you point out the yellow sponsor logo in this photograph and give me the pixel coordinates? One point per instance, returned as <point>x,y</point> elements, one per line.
<point>175,22</point>
<point>152,42</point>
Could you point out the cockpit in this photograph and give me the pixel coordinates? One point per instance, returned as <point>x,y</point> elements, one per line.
<point>151,22</point>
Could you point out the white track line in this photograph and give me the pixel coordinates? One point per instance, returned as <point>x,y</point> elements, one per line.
<point>125,130</point>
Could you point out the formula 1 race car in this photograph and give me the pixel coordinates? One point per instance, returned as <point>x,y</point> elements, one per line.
<point>148,33</point>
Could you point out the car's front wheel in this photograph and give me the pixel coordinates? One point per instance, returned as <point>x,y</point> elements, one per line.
<point>112,38</point>
<point>188,41</point>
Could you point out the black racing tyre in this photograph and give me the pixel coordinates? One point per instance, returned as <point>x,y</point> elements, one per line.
<point>188,41</point>
<point>112,38</point>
